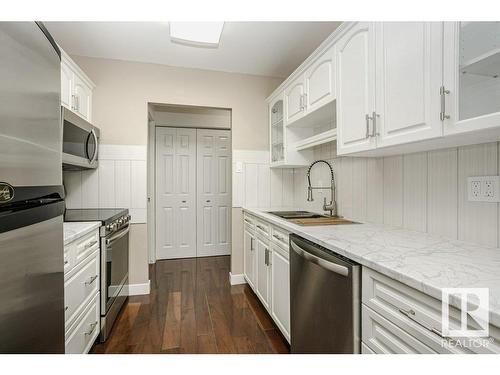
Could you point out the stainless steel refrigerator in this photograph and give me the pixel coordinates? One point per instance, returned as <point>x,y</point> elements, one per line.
<point>31,193</point>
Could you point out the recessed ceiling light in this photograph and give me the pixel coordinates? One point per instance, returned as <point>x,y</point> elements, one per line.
<point>199,34</point>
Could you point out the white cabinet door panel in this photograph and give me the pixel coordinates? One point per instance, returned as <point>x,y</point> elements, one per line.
<point>355,88</point>
<point>263,279</point>
<point>175,193</point>
<point>214,192</point>
<point>280,292</point>
<point>67,81</point>
<point>83,98</point>
<point>249,246</point>
<point>294,101</point>
<point>408,79</point>
<point>320,81</point>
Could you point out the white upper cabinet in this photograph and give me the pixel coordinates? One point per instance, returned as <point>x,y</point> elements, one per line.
<point>294,101</point>
<point>67,83</point>
<point>320,81</point>
<point>471,101</point>
<point>82,98</point>
<point>408,79</point>
<point>76,88</point>
<point>355,88</point>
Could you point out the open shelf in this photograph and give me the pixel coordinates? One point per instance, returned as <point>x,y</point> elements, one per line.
<point>319,117</point>
<point>487,64</point>
<point>317,139</point>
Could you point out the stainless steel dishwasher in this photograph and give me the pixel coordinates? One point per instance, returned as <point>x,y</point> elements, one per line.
<point>324,300</point>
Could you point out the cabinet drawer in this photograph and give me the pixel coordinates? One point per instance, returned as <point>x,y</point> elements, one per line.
<point>383,337</point>
<point>81,287</point>
<point>248,220</point>
<point>417,313</point>
<point>280,237</point>
<point>83,333</point>
<point>86,246</point>
<point>68,258</point>
<point>262,228</point>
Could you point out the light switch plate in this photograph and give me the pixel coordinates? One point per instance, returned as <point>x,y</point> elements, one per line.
<point>483,189</point>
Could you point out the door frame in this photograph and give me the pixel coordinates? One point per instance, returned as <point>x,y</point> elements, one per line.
<point>151,179</point>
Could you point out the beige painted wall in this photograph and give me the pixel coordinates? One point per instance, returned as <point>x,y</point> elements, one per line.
<point>123,90</point>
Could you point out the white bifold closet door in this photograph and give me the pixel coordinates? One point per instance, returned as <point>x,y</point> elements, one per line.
<point>193,192</point>
<point>214,192</point>
<point>175,193</point>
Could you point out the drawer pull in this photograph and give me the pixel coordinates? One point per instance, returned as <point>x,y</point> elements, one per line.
<point>92,328</point>
<point>279,238</point>
<point>66,262</point>
<point>92,279</point>
<point>248,221</point>
<point>261,228</point>
<point>66,308</point>
<point>408,313</point>
<point>90,244</point>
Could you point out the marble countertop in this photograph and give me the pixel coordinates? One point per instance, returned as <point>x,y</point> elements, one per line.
<point>422,261</point>
<point>75,230</point>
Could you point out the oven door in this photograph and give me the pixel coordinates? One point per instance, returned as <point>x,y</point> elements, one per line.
<point>80,142</point>
<point>114,267</point>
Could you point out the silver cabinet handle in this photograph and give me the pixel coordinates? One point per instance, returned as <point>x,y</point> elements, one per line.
<point>375,132</point>
<point>91,280</point>
<point>261,228</point>
<point>279,238</point>
<point>90,244</point>
<point>251,243</point>
<point>367,119</point>
<point>408,313</point>
<point>266,256</point>
<point>66,308</point>
<point>248,221</point>
<point>183,202</point>
<point>73,101</point>
<point>305,100</point>
<point>208,200</point>
<point>92,328</point>
<point>66,262</point>
<point>301,102</point>
<point>336,268</point>
<point>443,92</point>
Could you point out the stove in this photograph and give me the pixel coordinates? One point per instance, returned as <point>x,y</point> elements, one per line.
<point>114,233</point>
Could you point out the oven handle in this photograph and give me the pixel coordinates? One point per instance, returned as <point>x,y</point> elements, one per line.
<point>336,268</point>
<point>117,236</point>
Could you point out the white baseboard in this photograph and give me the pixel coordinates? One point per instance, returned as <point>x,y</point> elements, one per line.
<point>139,289</point>
<point>236,279</point>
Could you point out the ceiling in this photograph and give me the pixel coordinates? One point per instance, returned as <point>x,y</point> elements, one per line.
<point>262,48</point>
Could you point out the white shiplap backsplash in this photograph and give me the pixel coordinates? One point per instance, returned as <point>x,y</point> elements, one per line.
<point>424,191</point>
<point>119,182</point>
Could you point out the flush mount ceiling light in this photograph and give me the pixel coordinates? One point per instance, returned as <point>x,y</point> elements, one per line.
<point>198,34</point>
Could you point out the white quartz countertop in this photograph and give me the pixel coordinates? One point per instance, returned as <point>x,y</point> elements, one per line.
<point>75,230</point>
<point>422,261</point>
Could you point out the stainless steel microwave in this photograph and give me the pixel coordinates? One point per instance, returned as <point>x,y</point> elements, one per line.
<point>80,142</point>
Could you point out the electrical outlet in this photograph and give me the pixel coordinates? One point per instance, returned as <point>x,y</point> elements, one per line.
<point>483,188</point>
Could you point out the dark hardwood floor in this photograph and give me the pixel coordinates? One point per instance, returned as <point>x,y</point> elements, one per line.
<point>192,308</point>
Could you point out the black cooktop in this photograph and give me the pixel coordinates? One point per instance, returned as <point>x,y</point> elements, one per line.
<point>104,215</point>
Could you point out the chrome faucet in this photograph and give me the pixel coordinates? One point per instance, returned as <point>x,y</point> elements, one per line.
<point>332,206</point>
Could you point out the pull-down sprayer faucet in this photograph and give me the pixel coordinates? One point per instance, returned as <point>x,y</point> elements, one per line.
<point>332,206</point>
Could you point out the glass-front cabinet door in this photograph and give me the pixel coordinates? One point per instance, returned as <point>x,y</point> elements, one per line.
<point>470,97</point>
<point>277,132</point>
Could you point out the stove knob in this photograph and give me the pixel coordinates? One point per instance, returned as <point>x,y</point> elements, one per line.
<point>120,221</point>
<point>129,217</point>
<point>109,227</point>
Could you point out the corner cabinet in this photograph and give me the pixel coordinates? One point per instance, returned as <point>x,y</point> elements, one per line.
<point>76,88</point>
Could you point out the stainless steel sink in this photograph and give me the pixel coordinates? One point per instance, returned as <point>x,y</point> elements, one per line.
<point>296,214</point>
<point>306,218</point>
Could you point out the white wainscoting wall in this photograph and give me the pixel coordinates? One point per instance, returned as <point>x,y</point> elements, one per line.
<point>425,191</point>
<point>119,182</point>
<point>257,185</point>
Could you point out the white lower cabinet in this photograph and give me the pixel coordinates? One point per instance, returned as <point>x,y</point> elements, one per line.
<point>81,292</point>
<point>267,269</point>
<point>280,290</point>
<point>399,319</point>
<point>85,330</point>
<point>263,272</point>
<point>249,257</point>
